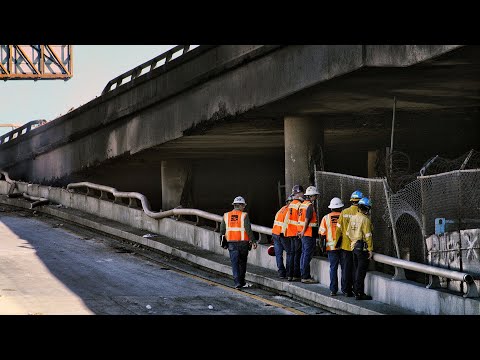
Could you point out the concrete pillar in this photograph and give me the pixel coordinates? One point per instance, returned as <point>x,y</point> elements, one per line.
<point>175,174</point>
<point>303,147</point>
<point>372,160</point>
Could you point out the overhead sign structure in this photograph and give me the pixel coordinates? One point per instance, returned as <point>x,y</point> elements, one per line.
<point>33,62</point>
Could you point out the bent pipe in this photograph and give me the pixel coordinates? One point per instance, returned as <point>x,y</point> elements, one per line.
<point>37,201</point>
<point>161,214</point>
<point>426,269</point>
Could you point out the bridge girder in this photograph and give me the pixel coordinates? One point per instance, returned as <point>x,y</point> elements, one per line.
<point>34,62</point>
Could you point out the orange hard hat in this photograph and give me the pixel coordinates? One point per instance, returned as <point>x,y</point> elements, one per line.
<point>271,250</point>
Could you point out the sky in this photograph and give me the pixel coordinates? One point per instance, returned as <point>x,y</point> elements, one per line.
<point>94,66</point>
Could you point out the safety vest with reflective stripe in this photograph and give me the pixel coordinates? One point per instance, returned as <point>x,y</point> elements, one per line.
<point>342,225</point>
<point>328,228</point>
<point>360,228</point>
<point>235,225</point>
<point>302,217</point>
<point>291,219</point>
<point>279,225</point>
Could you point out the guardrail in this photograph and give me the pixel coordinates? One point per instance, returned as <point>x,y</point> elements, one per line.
<point>137,71</point>
<point>22,130</point>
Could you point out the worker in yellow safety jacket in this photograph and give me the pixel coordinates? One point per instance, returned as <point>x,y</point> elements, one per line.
<point>291,232</point>
<point>236,227</point>
<point>342,242</point>
<point>359,231</point>
<point>282,243</point>
<point>327,231</point>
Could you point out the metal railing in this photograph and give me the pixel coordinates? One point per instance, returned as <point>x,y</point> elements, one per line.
<point>161,214</point>
<point>137,71</point>
<point>22,130</point>
<point>399,264</point>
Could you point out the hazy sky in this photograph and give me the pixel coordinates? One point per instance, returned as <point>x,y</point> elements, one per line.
<point>93,67</point>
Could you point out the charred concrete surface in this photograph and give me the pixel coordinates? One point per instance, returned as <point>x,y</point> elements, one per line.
<point>222,110</point>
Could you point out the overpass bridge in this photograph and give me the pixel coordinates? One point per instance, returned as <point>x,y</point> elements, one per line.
<point>224,120</point>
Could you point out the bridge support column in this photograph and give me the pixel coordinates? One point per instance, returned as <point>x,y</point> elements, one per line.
<point>303,148</point>
<point>175,175</point>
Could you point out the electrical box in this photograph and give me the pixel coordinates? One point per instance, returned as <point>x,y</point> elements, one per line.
<point>443,225</point>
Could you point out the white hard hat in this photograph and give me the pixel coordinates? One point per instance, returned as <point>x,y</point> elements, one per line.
<point>311,190</point>
<point>335,203</point>
<point>239,200</point>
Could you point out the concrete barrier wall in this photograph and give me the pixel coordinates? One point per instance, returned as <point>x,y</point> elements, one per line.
<point>405,294</point>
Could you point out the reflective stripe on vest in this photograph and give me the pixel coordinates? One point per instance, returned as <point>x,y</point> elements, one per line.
<point>331,224</point>
<point>291,219</point>
<point>279,224</point>
<point>235,226</point>
<point>302,218</point>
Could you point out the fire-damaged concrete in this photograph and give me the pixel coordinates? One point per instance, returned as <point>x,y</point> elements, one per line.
<point>221,109</point>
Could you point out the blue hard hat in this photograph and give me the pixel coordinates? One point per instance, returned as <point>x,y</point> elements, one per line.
<point>356,195</point>
<point>365,201</point>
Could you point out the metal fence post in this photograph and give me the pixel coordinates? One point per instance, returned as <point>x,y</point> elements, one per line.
<point>399,272</point>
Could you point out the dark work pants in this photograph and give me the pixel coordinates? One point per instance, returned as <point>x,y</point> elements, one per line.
<point>296,246</point>
<point>346,263</point>
<point>360,266</point>
<point>238,251</point>
<point>281,243</point>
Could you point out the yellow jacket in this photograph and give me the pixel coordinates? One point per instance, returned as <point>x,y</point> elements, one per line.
<point>360,228</point>
<point>342,225</point>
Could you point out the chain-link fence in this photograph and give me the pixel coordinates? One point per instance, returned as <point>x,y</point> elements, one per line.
<point>339,185</point>
<point>426,207</point>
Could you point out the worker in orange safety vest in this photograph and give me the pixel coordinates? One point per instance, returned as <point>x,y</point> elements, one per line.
<point>281,243</point>
<point>236,227</point>
<point>308,231</point>
<point>327,231</point>
<point>291,232</point>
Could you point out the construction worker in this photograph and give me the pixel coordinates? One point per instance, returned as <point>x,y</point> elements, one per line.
<point>359,231</point>
<point>291,232</point>
<point>307,221</point>
<point>342,241</point>
<point>327,230</point>
<point>281,243</point>
<point>236,227</point>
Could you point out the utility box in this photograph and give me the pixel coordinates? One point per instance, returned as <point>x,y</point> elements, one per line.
<point>443,225</point>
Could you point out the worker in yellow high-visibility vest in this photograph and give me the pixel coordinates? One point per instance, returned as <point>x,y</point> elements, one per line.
<point>359,231</point>
<point>342,242</point>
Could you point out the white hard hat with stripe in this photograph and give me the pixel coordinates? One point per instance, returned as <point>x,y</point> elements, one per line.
<point>239,200</point>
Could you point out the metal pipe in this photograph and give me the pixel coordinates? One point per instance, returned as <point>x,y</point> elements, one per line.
<point>426,269</point>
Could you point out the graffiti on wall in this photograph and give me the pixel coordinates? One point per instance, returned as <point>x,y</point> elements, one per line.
<point>457,250</point>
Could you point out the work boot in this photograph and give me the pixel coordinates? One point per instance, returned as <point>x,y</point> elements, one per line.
<point>309,281</point>
<point>363,297</point>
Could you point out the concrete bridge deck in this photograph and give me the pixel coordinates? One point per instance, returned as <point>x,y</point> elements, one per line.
<point>179,128</point>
